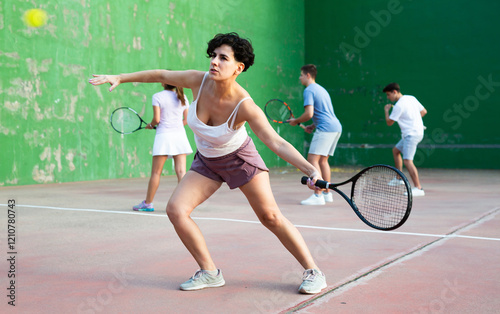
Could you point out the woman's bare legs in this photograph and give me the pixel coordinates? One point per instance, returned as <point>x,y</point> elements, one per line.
<point>259,195</point>
<point>180,166</point>
<point>154,180</point>
<point>191,191</point>
<point>194,189</point>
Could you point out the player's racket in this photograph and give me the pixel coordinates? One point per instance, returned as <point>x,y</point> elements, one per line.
<point>377,202</point>
<point>126,120</point>
<point>278,111</point>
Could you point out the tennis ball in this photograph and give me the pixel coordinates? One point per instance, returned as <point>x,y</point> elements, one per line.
<point>35,17</point>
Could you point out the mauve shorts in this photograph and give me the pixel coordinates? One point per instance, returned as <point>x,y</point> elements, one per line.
<point>236,168</point>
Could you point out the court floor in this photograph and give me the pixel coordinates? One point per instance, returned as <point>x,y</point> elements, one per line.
<point>79,248</point>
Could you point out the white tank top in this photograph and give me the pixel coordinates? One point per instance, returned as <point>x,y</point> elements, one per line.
<point>216,141</point>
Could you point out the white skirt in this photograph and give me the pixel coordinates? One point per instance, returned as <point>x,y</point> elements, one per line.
<point>171,143</point>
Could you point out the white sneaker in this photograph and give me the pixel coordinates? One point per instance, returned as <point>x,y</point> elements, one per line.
<point>328,197</point>
<point>313,282</point>
<point>203,279</point>
<point>417,192</point>
<point>315,199</point>
<point>395,182</point>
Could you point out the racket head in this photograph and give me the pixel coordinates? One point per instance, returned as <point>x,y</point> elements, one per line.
<point>278,111</point>
<point>125,120</point>
<point>379,201</point>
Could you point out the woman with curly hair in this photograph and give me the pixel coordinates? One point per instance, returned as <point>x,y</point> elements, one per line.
<point>226,153</point>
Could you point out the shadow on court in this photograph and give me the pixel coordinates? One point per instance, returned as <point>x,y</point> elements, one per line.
<point>79,248</point>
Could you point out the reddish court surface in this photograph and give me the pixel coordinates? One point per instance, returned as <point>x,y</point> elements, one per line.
<point>81,249</point>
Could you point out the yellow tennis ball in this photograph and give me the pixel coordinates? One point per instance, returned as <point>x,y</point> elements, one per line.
<point>35,17</point>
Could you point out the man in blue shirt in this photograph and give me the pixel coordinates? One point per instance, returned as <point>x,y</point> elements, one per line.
<point>318,106</point>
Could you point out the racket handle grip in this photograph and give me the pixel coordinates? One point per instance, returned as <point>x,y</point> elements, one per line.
<point>319,183</point>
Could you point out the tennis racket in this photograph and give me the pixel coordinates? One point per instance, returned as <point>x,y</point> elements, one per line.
<point>126,120</point>
<point>375,198</point>
<point>278,111</point>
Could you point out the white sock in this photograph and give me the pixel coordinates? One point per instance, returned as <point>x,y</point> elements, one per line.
<point>213,272</point>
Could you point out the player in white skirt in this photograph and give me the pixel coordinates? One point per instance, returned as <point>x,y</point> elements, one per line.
<point>170,108</point>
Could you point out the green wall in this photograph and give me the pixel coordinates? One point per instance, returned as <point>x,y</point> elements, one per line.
<point>54,125</point>
<point>445,53</point>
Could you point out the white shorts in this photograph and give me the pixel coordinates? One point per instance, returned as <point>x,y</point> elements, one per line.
<point>171,143</point>
<point>324,143</point>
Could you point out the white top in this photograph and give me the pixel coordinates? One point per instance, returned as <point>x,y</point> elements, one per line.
<point>171,111</point>
<point>406,113</point>
<point>220,140</point>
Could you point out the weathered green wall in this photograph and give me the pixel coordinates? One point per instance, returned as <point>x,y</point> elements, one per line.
<point>445,53</point>
<point>54,125</point>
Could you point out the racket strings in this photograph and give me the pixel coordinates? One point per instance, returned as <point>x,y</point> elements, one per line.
<point>277,111</point>
<point>380,203</point>
<point>125,120</point>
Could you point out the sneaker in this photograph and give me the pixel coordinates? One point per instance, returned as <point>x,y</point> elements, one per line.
<point>313,282</point>
<point>315,199</point>
<point>143,207</point>
<point>203,279</point>
<point>328,197</point>
<point>396,182</point>
<point>417,192</point>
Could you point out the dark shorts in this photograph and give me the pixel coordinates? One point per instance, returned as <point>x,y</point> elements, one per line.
<point>236,168</point>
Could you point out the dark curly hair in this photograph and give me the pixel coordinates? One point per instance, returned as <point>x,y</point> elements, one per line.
<point>242,48</point>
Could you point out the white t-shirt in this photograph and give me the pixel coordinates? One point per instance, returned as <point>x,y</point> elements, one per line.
<point>171,111</point>
<point>406,113</point>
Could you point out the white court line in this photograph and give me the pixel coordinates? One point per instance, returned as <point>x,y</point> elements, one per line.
<point>258,222</point>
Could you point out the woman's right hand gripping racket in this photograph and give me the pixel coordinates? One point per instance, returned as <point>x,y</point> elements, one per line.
<point>380,196</point>
<point>278,111</point>
<point>126,120</point>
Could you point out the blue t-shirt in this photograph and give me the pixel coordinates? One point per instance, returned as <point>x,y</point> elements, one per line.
<point>324,117</point>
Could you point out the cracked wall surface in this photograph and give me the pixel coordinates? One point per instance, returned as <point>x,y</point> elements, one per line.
<point>54,126</point>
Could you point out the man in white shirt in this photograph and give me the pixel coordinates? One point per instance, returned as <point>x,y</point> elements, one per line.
<point>407,112</point>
